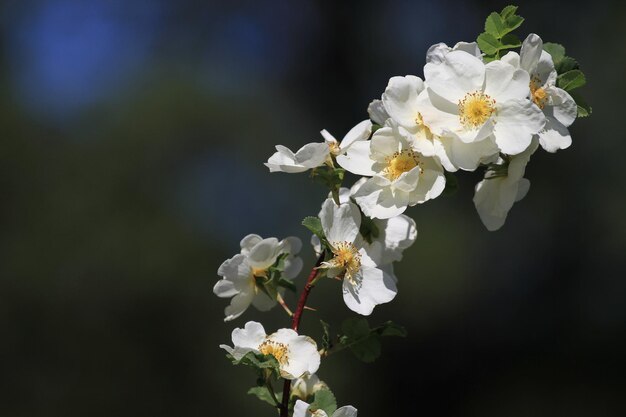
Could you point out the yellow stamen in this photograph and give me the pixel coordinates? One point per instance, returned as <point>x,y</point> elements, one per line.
<point>401,162</point>
<point>334,148</point>
<point>475,109</point>
<point>346,257</point>
<point>538,94</point>
<point>276,349</point>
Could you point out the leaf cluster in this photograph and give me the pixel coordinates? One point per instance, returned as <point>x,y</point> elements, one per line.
<point>273,278</point>
<point>570,77</point>
<point>497,37</point>
<point>365,341</point>
<point>330,176</point>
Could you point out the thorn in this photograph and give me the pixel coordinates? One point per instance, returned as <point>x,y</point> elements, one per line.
<point>310,308</point>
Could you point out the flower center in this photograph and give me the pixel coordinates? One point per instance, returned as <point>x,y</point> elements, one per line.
<point>346,257</point>
<point>401,162</point>
<point>419,121</point>
<point>538,94</point>
<point>275,349</point>
<point>259,272</point>
<point>334,148</point>
<point>475,109</point>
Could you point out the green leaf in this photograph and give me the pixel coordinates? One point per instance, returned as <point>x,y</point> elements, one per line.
<point>513,22</point>
<point>508,11</point>
<point>363,343</point>
<point>584,109</point>
<point>510,41</point>
<point>390,328</point>
<point>325,400</point>
<point>287,283</point>
<point>555,50</point>
<point>571,80</point>
<point>566,64</point>
<point>314,224</point>
<point>375,127</point>
<point>452,184</point>
<point>326,339</point>
<point>494,25</point>
<point>263,394</point>
<point>257,361</point>
<point>488,43</point>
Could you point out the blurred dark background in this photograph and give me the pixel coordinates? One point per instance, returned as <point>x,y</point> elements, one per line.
<point>132,141</point>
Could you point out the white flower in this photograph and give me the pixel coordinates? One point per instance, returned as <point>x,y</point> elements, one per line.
<point>296,355</point>
<point>355,142</point>
<point>306,386</point>
<point>377,112</point>
<point>301,409</point>
<point>401,176</point>
<point>494,196</point>
<point>311,155</point>
<point>473,101</point>
<point>436,52</point>
<point>405,98</point>
<point>558,106</point>
<point>239,272</point>
<point>364,284</point>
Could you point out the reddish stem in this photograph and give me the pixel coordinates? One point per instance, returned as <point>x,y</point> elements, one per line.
<point>295,323</point>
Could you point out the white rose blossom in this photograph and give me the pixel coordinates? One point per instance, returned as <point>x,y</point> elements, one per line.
<point>364,284</point>
<point>558,106</point>
<point>401,176</point>
<point>472,101</point>
<point>302,409</point>
<point>313,155</point>
<point>296,355</point>
<point>436,52</point>
<point>306,386</point>
<point>239,272</point>
<point>495,195</point>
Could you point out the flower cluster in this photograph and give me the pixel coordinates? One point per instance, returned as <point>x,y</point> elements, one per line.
<point>478,105</point>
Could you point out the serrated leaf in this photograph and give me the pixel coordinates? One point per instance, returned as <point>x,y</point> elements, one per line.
<point>488,43</point>
<point>508,11</point>
<point>566,64</point>
<point>512,22</point>
<point>314,224</point>
<point>494,25</point>
<point>556,51</point>
<point>363,343</point>
<point>368,229</point>
<point>355,328</point>
<point>584,109</point>
<point>325,400</point>
<point>510,41</point>
<point>571,80</point>
<point>452,184</point>
<point>263,394</point>
<point>392,329</point>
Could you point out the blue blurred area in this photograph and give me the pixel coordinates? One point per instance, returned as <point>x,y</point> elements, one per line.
<point>134,135</point>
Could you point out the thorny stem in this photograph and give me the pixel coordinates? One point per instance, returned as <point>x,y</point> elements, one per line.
<point>295,323</point>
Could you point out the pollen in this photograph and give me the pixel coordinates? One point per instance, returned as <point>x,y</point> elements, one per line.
<point>419,121</point>
<point>259,272</point>
<point>275,349</point>
<point>538,94</point>
<point>346,257</point>
<point>335,150</point>
<point>401,162</point>
<point>475,109</point>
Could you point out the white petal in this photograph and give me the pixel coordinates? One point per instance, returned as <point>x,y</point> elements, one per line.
<point>303,356</point>
<point>436,53</point>
<point>563,108</point>
<point>301,409</point>
<point>262,302</point>
<point>385,142</point>
<point>346,411</point>
<point>293,266</point>
<point>522,189</point>
<point>469,47</point>
<point>340,223</point>
<point>517,166</point>
<point>555,136</point>
<point>248,242</point>
<point>372,287</point>
<point>489,205</point>
<point>458,74</point>
<point>432,182</point>
<point>380,202</point>
<point>357,159</point>
<point>239,304</point>
<point>531,52</point>
<point>400,99</point>
<point>504,82</point>
<point>309,156</point>
<point>399,233</point>
<point>545,70</point>
<point>467,156</point>
<point>360,132</point>
<point>439,114</point>
<point>377,112</point>
<point>511,58</point>
<point>517,122</point>
<point>225,289</point>
<point>328,138</point>
<point>237,270</point>
<point>251,336</point>
<point>264,254</point>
